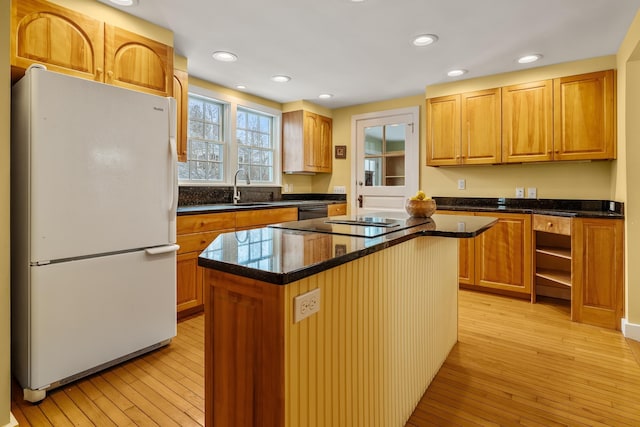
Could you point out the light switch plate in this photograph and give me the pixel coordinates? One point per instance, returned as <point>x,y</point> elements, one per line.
<point>532,193</point>
<point>339,189</point>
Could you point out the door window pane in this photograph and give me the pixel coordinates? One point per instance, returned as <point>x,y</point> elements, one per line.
<point>384,155</point>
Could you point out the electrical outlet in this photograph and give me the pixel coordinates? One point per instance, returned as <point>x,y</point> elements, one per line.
<point>286,188</point>
<point>462,184</point>
<point>339,189</point>
<point>532,193</point>
<point>304,305</point>
<point>519,192</point>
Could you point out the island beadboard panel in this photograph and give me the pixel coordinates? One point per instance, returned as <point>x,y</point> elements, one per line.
<point>366,358</point>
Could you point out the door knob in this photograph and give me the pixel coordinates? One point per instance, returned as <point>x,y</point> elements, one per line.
<point>360,200</point>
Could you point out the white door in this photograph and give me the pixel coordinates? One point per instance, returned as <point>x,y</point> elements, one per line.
<point>387,161</point>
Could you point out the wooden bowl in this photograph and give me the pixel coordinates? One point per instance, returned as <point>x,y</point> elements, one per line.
<point>420,208</point>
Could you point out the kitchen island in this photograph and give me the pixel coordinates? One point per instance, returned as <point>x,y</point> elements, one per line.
<point>386,299</point>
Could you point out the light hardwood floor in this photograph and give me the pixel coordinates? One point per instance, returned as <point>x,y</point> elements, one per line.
<point>515,364</point>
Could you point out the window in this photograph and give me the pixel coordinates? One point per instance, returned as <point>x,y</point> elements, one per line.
<point>226,134</point>
<point>205,146</point>
<point>254,135</point>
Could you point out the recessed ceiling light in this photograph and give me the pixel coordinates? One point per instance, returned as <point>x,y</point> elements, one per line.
<point>424,39</point>
<point>124,2</point>
<point>241,87</point>
<point>529,58</point>
<point>456,73</point>
<point>279,78</point>
<point>325,96</point>
<point>224,56</point>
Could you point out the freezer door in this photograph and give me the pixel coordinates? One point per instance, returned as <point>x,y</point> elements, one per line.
<point>101,168</point>
<point>88,312</point>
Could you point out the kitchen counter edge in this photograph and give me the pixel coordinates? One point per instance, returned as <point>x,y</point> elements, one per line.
<point>391,239</point>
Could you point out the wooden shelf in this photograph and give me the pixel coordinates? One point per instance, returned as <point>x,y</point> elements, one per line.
<point>556,276</point>
<point>555,251</point>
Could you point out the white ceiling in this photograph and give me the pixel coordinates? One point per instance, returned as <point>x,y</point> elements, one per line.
<point>361,52</point>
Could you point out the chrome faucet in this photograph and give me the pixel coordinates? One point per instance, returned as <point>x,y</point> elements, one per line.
<point>236,193</point>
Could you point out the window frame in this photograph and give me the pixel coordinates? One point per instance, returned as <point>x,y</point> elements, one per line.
<point>230,113</point>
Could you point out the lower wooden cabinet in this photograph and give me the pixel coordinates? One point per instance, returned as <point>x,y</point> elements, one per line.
<point>597,295</point>
<point>503,254</point>
<point>500,258</point>
<point>337,209</point>
<point>577,259</point>
<point>196,232</point>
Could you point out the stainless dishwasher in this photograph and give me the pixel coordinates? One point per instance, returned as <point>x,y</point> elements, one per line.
<point>312,211</point>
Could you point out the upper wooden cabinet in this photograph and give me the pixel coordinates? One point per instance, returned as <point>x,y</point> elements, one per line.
<point>181,94</point>
<point>306,142</point>
<point>584,114</point>
<point>568,118</point>
<point>138,63</point>
<point>69,42</point>
<point>527,122</point>
<point>443,130</point>
<point>464,129</point>
<point>64,40</point>
<point>481,115</point>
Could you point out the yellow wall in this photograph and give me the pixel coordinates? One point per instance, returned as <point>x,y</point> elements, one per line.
<point>627,173</point>
<point>5,306</point>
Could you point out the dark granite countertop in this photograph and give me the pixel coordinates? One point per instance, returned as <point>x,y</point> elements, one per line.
<point>230,207</point>
<point>277,256</point>
<point>554,207</point>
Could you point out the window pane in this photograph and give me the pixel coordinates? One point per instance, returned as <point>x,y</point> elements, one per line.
<point>241,121</point>
<point>195,109</point>
<point>395,138</point>
<point>196,129</point>
<point>373,140</point>
<point>373,171</point>
<point>198,150</point>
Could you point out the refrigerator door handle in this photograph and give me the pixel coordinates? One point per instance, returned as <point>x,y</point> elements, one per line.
<point>162,249</point>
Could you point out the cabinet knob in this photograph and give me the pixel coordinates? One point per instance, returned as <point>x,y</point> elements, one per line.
<point>549,224</point>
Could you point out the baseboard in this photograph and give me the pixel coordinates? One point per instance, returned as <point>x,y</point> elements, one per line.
<point>630,330</point>
<point>12,421</point>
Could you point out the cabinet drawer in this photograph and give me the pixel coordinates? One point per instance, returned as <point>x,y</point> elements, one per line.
<point>205,222</point>
<point>552,224</point>
<point>197,241</point>
<point>337,209</point>
<point>265,216</point>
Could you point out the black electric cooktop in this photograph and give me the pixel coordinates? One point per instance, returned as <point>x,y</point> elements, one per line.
<point>357,226</point>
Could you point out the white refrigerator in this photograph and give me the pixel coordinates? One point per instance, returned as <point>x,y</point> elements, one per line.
<point>93,211</point>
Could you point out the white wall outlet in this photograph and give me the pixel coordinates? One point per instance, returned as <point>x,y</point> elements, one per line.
<point>462,184</point>
<point>532,193</point>
<point>339,189</point>
<point>519,192</point>
<point>304,305</point>
<point>286,188</point>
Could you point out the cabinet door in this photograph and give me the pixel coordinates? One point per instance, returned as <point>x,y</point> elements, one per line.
<point>311,128</point>
<point>503,254</point>
<point>189,283</point>
<point>527,122</point>
<point>443,130</point>
<point>337,209</point>
<point>137,63</point>
<point>63,40</point>
<point>466,254</point>
<point>323,144</point>
<point>181,94</point>
<point>598,278</point>
<point>481,131</point>
<point>584,116</point>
